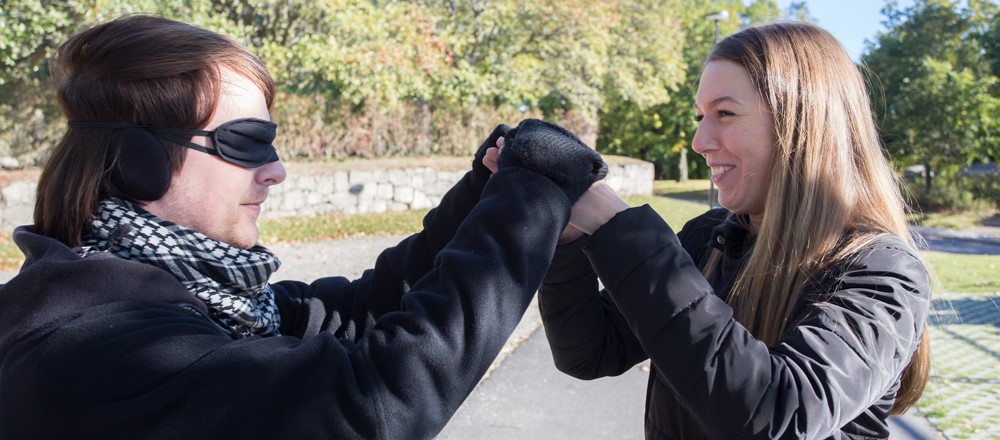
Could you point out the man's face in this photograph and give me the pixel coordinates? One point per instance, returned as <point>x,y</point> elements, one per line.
<point>217,198</point>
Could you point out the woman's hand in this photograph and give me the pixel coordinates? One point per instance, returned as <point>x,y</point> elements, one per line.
<point>598,205</point>
<point>570,234</point>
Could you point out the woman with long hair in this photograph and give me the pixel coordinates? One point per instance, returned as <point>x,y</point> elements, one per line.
<point>798,309</point>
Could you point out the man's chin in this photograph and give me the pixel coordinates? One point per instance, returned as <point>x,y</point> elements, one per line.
<point>247,243</point>
<point>245,240</point>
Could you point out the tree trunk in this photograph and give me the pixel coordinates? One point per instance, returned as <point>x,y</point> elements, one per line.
<point>927,178</point>
<point>682,166</point>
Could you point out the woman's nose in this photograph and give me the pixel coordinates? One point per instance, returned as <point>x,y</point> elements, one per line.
<point>702,142</point>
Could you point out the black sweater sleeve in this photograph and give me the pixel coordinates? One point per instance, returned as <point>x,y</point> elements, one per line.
<point>349,307</point>
<point>845,351</point>
<point>139,369</point>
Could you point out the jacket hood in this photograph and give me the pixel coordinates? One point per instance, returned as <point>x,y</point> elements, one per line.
<point>55,284</point>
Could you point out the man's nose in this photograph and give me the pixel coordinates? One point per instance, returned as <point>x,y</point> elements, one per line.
<point>271,173</point>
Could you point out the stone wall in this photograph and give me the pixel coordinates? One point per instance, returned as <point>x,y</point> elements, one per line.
<point>349,187</point>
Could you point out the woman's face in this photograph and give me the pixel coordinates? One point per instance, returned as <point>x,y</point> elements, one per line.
<point>735,136</point>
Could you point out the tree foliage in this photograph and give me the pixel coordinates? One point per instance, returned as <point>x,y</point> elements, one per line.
<point>29,32</point>
<point>390,61</point>
<point>935,76</point>
<point>393,77</point>
<point>661,133</point>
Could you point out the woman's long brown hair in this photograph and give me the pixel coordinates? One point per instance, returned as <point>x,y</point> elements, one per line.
<point>831,190</point>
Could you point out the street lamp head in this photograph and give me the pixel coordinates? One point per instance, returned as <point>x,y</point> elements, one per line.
<point>717,16</point>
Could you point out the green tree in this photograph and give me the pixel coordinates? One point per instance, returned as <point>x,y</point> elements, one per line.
<point>661,133</point>
<point>29,33</point>
<point>934,89</point>
<point>368,78</point>
<point>561,57</point>
<point>945,111</point>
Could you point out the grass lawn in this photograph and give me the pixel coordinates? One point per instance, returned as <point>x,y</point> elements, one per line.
<point>966,273</point>
<point>334,226</point>
<point>675,212</point>
<point>955,221</point>
<point>693,190</point>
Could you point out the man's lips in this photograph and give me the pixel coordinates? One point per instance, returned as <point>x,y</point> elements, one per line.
<point>253,206</point>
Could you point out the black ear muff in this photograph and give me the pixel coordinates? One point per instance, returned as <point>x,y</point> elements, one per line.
<point>142,171</point>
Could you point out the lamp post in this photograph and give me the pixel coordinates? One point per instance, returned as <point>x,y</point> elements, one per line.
<point>715,17</point>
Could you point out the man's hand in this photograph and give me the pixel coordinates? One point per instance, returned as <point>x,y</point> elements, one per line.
<point>556,153</point>
<point>481,169</point>
<point>491,159</point>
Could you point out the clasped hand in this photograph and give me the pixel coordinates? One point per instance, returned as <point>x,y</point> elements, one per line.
<point>594,208</point>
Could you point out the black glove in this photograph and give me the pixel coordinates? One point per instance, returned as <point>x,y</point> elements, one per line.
<point>554,152</point>
<point>480,174</point>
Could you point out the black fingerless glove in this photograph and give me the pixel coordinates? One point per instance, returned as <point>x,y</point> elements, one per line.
<point>554,152</point>
<point>480,174</point>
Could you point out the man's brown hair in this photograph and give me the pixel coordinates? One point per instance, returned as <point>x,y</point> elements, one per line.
<point>137,69</point>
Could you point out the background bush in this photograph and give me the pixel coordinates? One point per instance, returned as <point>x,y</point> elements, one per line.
<point>362,78</point>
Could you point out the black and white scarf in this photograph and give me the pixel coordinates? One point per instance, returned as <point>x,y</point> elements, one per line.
<point>230,280</point>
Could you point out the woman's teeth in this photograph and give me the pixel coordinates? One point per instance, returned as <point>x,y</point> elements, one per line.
<point>721,169</point>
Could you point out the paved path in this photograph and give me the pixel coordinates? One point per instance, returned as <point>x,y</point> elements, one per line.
<point>527,398</point>
<point>980,241</point>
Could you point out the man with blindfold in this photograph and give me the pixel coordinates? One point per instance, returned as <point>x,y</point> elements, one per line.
<point>143,309</point>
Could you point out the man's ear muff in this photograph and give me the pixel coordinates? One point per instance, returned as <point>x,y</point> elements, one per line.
<point>142,169</point>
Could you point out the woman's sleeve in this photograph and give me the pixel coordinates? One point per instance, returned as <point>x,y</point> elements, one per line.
<point>349,307</point>
<point>587,335</point>
<point>838,358</point>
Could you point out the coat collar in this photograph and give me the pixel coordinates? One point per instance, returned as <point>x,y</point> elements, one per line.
<point>733,236</point>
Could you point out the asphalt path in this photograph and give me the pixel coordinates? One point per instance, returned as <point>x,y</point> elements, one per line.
<point>958,242</point>
<point>527,398</point>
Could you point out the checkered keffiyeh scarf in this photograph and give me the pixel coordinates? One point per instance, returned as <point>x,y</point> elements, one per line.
<point>231,281</point>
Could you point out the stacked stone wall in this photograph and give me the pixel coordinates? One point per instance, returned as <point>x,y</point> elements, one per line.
<point>351,187</point>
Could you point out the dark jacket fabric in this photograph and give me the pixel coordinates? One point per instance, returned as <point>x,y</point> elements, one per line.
<point>101,347</point>
<point>833,374</point>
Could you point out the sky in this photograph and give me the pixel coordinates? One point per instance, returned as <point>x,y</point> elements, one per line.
<point>850,21</point>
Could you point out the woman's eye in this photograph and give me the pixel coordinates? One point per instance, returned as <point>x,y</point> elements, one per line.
<point>724,113</point>
<point>698,118</point>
